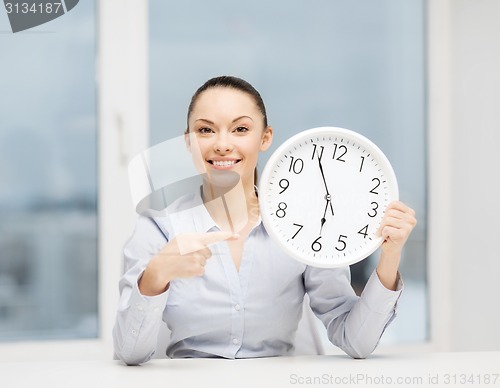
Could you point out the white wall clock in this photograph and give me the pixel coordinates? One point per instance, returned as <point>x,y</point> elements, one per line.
<point>323,194</point>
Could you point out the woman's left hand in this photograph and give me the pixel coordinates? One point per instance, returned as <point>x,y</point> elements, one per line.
<point>396,226</point>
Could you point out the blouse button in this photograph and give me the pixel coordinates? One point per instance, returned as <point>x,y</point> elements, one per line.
<point>235,341</point>
<point>237,307</point>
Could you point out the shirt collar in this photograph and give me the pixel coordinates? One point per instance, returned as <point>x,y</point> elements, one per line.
<point>203,221</point>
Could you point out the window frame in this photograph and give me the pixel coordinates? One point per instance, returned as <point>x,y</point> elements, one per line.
<point>123,133</point>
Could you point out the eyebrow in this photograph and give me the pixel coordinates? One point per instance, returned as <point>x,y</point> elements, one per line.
<point>235,120</point>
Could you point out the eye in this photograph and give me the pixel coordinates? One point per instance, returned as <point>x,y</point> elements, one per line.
<point>205,130</point>
<point>241,129</point>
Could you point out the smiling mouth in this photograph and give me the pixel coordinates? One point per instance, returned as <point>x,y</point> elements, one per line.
<point>224,163</point>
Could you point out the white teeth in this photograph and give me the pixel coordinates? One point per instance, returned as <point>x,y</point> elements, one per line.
<point>224,163</point>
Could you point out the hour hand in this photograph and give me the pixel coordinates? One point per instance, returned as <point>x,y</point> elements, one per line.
<point>323,220</point>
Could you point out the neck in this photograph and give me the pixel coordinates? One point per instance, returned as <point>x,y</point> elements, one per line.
<point>232,207</point>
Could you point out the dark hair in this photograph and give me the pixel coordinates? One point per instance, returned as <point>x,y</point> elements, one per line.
<point>227,81</point>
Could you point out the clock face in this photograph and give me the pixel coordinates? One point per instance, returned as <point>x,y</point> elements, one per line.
<point>323,194</point>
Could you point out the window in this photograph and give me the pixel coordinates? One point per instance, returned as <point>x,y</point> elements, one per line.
<point>358,65</point>
<point>48,175</point>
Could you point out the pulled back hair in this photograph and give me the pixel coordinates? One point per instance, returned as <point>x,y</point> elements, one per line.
<point>227,81</point>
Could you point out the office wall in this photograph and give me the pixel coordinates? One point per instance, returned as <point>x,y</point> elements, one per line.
<point>464,135</point>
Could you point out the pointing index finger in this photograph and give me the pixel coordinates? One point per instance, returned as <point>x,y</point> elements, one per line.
<point>192,242</point>
<point>209,238</point>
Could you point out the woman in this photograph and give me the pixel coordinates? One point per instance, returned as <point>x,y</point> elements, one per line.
<point>236,295</point>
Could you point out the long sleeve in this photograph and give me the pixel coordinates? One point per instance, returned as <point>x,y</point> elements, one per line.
<point>138,317</point>
<point>354,324</point>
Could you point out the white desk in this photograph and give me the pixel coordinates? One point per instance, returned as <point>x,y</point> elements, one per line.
<point>480,369</point>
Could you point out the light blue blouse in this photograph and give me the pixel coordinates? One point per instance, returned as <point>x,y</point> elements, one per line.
<point>250,313</point>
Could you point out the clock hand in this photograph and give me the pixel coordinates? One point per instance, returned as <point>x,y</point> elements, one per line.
<point>323,220</point>
<point>323,175</point>
<point>328,197</point>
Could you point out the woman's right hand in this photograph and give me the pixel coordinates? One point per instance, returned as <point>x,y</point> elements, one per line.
<point>184,256</point>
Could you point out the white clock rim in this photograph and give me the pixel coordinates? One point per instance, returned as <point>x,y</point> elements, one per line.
<point>262,190</point>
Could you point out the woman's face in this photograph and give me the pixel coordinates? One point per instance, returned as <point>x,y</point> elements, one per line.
<point>229,132</point>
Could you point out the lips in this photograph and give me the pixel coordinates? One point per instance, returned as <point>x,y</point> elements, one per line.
<point>223,163</point>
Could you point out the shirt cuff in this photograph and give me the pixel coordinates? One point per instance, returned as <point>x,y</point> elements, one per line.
<point>379,298</point>
<point>145,303</point>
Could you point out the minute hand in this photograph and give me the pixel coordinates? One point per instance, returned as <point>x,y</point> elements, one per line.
<point>328,196</point>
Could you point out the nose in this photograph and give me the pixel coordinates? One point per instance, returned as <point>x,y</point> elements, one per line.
<point>222,143</point>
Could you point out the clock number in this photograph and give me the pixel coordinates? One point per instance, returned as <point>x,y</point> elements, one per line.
<point>320,153</point>
<point>283,184</point>
<point>342,149</point>
<point>280,213</point>
<point>364,231</point>
<point>375,204</point>
<point>362,162</point>
<point>296,165</point>
<point>377,185</point>
<point>297,232</point>
<point>316,245</point>
<point>344,244</point>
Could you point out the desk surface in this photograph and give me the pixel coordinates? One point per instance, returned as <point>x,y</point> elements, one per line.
<point>433,369</point>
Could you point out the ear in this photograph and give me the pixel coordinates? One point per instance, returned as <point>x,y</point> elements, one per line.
<point>267,138</point>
